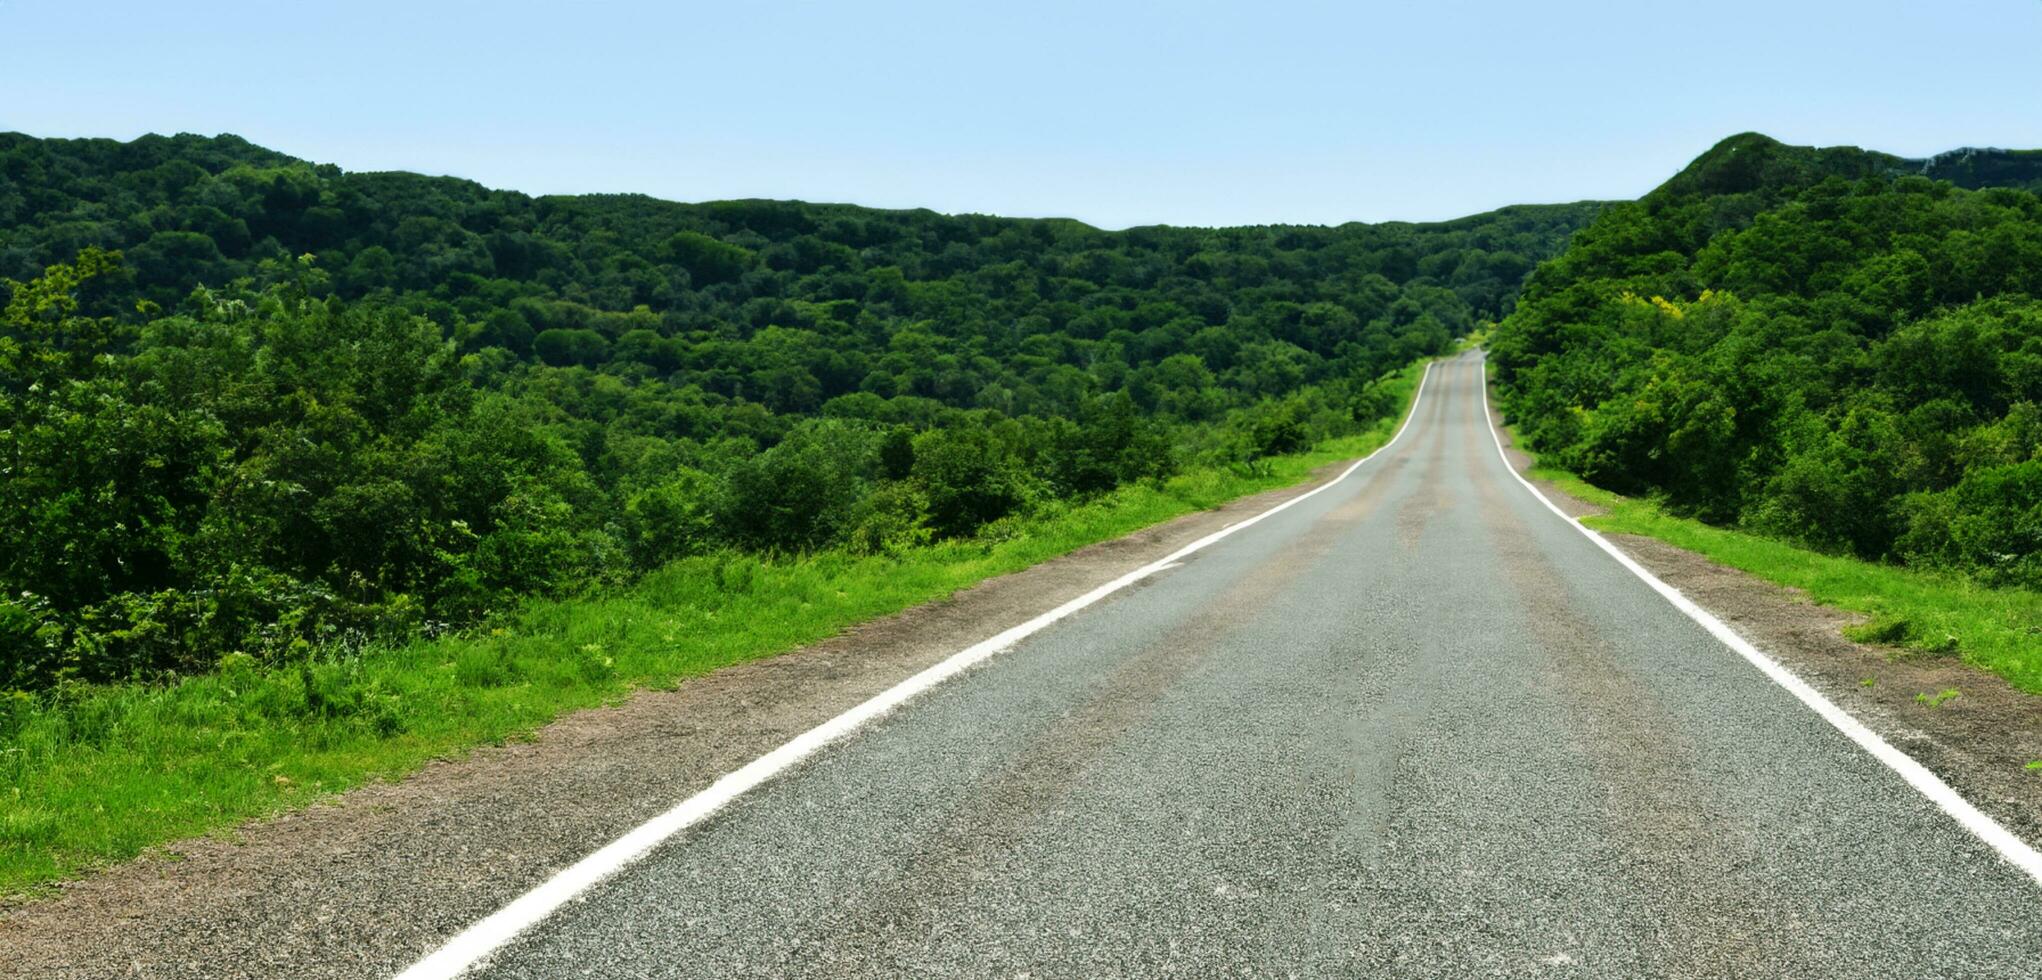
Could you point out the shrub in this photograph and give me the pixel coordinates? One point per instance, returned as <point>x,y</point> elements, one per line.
<point>967,478</point>
<point>673,519</point>
<point>891,519</point>
<point>798,495</point>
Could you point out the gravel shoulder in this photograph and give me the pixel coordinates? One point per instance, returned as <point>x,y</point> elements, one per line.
<point>1979,742</point>
<point>363,884</point>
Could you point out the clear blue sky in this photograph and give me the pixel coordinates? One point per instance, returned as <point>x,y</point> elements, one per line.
<point>1116,113</point>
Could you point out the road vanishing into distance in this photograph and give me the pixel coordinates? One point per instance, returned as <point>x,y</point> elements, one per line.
<point>1415,725</point>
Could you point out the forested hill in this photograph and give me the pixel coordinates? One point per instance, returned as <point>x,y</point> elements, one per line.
<point>190,210</point>
<point>256,404</point>
<point>1829,345</point>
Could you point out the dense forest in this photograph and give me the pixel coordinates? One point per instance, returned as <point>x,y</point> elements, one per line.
<point>1833,346</point>
<point>254,405</point>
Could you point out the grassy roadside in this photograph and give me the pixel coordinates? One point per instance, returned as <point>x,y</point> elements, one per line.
<point>98,774</point>
<point>1921,613</point>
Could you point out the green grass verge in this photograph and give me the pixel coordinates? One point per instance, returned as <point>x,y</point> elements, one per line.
<point>97,774</point>
<point>1921,613</point>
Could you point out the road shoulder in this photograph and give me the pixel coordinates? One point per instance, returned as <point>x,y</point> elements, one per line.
<point>1979,742</point>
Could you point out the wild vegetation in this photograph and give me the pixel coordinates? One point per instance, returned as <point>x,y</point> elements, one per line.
<point>1837,348</point>
<point>255,407</point>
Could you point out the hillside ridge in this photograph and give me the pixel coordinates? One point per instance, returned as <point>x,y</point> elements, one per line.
<point>1751,161</point>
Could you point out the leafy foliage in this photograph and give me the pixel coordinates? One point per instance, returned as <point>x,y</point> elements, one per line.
<point>1824,345</point>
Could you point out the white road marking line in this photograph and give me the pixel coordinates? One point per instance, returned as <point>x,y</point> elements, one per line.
<point>477,942</point>
<point>1927,783</point>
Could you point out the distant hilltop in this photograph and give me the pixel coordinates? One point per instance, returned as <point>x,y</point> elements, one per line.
<point>1751,161</point>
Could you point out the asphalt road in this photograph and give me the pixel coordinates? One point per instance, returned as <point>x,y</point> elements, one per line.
<point>1414,726</point>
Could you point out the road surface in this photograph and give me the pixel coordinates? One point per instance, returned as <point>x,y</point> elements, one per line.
<point>1413,726</point>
